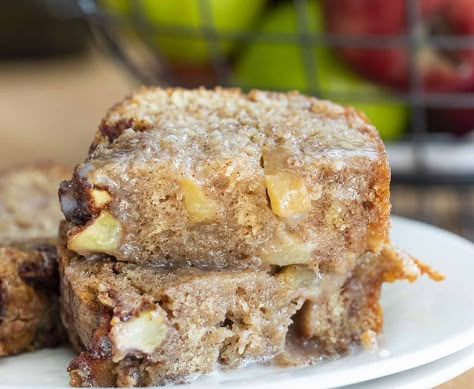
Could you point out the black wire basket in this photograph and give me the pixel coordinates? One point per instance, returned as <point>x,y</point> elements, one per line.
<point>432,163</point>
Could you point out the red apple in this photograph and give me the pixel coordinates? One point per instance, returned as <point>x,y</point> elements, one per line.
<point>194,76</point>
<point>441,70</point>
<point>457,120</point>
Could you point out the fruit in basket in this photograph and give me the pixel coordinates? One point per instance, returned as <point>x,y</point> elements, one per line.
<point>458,120</point>
<point>119,7</point>
<point>441,69</point>
<point>275,65</point>
<point>185,41</point>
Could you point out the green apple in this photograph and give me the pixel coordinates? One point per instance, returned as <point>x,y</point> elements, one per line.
<point>120,7</point>
<point>269,65</point>
<point>225,16</point>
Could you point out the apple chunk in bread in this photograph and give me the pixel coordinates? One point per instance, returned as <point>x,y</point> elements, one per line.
<point>200,208</point>
<point>101,235</point>
<point>288,194</point>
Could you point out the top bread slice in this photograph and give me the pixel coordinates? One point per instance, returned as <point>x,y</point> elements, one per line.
<point>219,178</point>
<point>29,281</point>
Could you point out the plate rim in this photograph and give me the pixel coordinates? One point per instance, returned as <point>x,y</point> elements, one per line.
<point>428,375</point>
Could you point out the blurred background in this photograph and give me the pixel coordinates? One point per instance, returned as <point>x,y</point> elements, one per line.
<point>408,64</point>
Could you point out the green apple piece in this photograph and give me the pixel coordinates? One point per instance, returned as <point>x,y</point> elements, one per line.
<point>389,117</point>
<point>226,16</point>
<point>269,65</point>
<point>120,7</point>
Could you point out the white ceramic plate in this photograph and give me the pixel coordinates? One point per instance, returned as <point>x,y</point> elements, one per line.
<point>424,322</point>
<point>425,376</point>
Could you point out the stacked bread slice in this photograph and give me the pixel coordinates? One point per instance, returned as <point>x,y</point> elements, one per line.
<point>29,287</point>
<point>215,227</point>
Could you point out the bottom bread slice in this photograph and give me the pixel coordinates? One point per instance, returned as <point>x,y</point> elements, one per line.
<point>29,298</point>
<point>141,325</point>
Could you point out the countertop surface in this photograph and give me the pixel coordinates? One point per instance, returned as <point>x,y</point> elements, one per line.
<point>49,111</point>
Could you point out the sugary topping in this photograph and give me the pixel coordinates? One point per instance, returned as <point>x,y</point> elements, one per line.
<point>189,126</point>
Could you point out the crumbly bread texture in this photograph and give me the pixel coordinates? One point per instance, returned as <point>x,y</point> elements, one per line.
<point>29,203</point>
<point>29,298</point>
<point>355,313</point>
<point>29,287</point>
<point>140,325</point>
<point>219,178</point>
